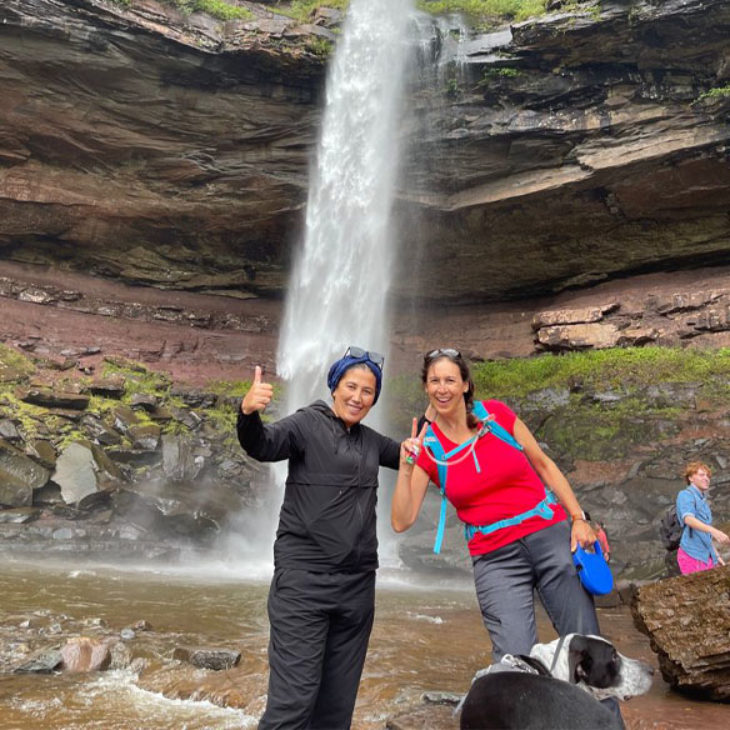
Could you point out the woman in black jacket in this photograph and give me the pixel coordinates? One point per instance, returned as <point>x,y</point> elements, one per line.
<point>322,597</point>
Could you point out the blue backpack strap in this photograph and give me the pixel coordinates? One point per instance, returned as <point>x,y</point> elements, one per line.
<point>542,509</point>
<point>481,412</point>
<point>431,441</point>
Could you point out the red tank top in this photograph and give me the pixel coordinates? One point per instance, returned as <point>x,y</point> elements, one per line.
<point>506,485</point>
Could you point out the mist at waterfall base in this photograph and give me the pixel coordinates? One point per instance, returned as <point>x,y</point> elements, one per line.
<point>341,275</point>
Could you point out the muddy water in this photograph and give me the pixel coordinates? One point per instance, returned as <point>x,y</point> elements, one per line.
<point>425,638</point>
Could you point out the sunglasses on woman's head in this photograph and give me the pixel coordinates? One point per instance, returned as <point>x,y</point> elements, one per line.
<point>375,357</point>
<point>448,351</point>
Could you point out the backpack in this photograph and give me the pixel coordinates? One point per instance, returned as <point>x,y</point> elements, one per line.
<point>488,425</point>
<point>670,530</point>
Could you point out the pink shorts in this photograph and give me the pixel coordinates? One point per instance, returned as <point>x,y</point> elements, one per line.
<point>688,564</point>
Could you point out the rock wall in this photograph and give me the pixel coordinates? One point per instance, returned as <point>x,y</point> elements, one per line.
<point>173,151</point>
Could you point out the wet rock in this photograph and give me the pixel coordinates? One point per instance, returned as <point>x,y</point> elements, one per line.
<point>44,662</point>
<point>215,659</point>
<point>84,654</point>
<point>111,387</point>
<point>8,431</point>
<point>19,516</point>
<point>42,451</point>
<point>98,500</point>
<point>139,511</point>
<point>49,494</point>
<point>127,634</point>
<point>98,430</point>
<point>121,656</point>
<point>135,457</point>
<point>75,473</point>
<point>178,458</point>
<point>19,476</point>
<point>687,620</point>
<point>124,418</point>
<point>48,398</point>
<point>193,397</point>
<point>146,438</point>
<point>144,401</point>
<point>187,525</point>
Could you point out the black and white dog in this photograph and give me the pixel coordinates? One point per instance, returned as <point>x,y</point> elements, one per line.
<point>558,687</point>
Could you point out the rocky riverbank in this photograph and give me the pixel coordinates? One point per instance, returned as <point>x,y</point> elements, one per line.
<point>134,390</point>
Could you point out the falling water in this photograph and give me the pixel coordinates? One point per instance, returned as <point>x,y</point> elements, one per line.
<point>341,278</point>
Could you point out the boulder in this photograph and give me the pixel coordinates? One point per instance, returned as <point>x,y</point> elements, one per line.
<point>19,476</point>
<point>48,398</point>
<point>44,662</point>
<point>84,654</point>
<point>687,619</point>
<point>76,472</point>
<point>204,658</point>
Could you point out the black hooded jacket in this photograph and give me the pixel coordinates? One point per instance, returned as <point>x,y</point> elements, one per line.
<point>327,519</point>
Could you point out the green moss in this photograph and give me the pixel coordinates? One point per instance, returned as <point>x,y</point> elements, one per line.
<point>139,379</point>
<point>11,359</point>
<point>480,9</point>
<point>217,8</point>
<point>576,425</point>
<point>604,431</point>
<point>320,47</point>
<point>719,92</point>
<point>602,369</point>
<point>302,10</point>
<point>29,417</point>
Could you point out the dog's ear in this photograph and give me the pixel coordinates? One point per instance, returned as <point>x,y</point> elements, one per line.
<point>580,665</point>
<point>579,659</point>
<point>594,662</point>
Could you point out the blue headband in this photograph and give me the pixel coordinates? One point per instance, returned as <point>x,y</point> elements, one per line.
<point>341,366</point>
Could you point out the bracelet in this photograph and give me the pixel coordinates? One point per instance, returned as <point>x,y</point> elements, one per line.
<point>582,517</point>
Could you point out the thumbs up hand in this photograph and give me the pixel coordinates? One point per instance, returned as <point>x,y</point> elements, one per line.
<point>259,394</point>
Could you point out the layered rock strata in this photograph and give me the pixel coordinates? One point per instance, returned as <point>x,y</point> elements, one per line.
<point>173,151</point>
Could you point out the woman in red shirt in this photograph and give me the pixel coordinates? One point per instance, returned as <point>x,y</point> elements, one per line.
<point>500,482</point>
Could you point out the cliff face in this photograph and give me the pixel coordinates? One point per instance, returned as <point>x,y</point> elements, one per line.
<point>173,151</point>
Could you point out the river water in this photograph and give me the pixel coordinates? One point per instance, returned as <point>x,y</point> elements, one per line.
<point>427,637</point>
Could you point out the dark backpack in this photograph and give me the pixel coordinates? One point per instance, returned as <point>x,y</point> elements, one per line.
<point>670,530</point>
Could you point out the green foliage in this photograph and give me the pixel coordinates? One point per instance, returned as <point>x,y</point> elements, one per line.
<point>302,10</point>
<point>320,46</point>
<point>719,92</point>
<point>217,8</point>
<point>11,359</point>
<point>507,9</point>
<point>493,75</point>
<point>610,368</point>
<point>452,88</point>
<point>138,378</point>
<point>28,416</point>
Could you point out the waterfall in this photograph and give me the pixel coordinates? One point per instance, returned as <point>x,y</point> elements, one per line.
<point>341,276</point>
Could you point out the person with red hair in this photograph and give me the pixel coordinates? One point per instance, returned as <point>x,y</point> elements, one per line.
<point>696,551</point>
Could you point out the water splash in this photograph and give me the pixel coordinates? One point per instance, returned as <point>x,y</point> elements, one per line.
<point>342,274</point>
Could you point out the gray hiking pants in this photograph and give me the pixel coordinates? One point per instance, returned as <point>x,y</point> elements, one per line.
<point>320,627</point>
<point>505,582</point>
<point>507,578</point>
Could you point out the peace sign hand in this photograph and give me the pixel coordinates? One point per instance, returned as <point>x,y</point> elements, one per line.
<point>259,394</point>
<point>411,447</point>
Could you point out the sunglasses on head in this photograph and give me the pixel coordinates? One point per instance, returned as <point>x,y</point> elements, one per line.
<point>375,357</point>
<point>448,351</point>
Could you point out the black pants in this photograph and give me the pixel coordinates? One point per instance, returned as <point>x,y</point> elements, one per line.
<point>320,627</point>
